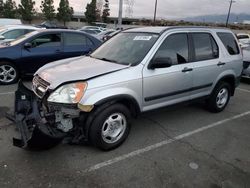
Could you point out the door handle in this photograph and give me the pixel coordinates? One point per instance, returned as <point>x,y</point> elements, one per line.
<point>186,69</point>
<point>58,51</point>
<point>221,64</point>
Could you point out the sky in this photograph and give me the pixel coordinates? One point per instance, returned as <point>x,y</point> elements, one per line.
<point>168,9</point>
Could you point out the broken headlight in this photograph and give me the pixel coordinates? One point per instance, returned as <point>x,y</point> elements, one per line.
<point>69,93</point>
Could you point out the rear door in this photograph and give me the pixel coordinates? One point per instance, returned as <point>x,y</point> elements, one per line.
<point>164,86</point>
<point>75,44</point>
<point>44,48</point>
<point>207,62</point>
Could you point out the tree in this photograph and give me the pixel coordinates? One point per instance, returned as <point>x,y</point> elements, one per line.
<point>91,12</point>
<point>99,6</point>
<point>48,9</point>
<point>105,13</point>
<point>1,8</point>
<point>27,10</point>
<point>65,12</point>
<point>9,9</point>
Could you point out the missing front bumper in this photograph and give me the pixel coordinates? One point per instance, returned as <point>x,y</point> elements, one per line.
<point>35,132</point>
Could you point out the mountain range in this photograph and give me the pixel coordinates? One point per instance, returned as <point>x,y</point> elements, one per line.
<point>219,18</point>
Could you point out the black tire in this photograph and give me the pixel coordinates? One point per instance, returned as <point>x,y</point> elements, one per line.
<point>95,131</point>
<point>13,80</point>
<point>212,101</point>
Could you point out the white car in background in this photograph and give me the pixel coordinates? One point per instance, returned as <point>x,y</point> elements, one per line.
<point>95,28</point>
<point>102,35</point>
<point>9,21</point>
<point>246,59</point>
<point>11,32</point>
<point>244,39</point>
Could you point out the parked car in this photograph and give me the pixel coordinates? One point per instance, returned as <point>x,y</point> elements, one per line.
<point>90,31</point>
<point>244,38</point>
<point>100,24</point>
<point>11,32</point>
<point>27,54</point>
<point>94,98</point>
<point>9,21</point>
<point>246,59</point>
<point>51,25</point>
<point>95,28</point>
<point>102,36</point>
<point>109,36</point>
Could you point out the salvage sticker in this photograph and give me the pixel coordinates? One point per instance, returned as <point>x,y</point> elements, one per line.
<point>142,37</point>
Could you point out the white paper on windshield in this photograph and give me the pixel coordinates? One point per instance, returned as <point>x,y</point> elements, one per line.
<point>142,37</point>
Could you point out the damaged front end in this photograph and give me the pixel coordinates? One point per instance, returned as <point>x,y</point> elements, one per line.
<point>43,126</point>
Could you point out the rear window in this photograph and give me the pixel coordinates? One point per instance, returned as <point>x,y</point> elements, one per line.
<point>229,42</point>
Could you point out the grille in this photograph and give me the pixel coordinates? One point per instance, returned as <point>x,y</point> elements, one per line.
<point>40,86</point>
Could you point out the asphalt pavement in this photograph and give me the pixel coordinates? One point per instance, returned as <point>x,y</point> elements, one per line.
<point>181,146</point>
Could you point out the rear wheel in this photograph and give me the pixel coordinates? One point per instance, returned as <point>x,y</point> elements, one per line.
<point>219,98</point>
<point>110,127</point>
<point>8,73</point>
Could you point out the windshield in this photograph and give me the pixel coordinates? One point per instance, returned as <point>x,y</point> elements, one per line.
<point>22,38</point>
<point>126,48</point>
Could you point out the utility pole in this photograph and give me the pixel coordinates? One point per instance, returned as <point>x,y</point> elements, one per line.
<point>229,11</point>
<point>155,11</point>
<point>120,14</point>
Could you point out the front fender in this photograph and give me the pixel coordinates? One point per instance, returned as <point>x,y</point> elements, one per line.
<point>97,96</point>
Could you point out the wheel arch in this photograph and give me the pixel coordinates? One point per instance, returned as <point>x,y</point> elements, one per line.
<point>126,100</point>
<point>231,80</point>
<point>8,60</point>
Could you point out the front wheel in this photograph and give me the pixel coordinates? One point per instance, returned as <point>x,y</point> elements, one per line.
<point>8,73</point>
<point>110,127</point>
<point>219,98</point>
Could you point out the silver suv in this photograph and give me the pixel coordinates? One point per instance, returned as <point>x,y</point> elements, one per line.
<point>93,98</point>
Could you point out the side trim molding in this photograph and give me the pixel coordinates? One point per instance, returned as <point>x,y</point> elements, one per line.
<point>147,99</point>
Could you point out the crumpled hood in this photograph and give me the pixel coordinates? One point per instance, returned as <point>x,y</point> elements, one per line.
<point>73,69</point>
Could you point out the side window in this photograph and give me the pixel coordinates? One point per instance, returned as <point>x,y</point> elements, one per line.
<point>229,42</point>
<point>205,47</point>
<point>28,31</point>
<point>13,34</point>
<point>174,49</point>
<point>71,39</point>
<point>49,40</point>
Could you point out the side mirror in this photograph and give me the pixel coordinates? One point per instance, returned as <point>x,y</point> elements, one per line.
<point>2,37</point>
<point>27,45</point>
<point>161,62</point>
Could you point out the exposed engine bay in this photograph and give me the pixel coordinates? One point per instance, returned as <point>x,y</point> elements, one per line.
<point>44,125</point>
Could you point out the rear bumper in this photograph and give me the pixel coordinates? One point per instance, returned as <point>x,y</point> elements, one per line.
<point>34,130</point>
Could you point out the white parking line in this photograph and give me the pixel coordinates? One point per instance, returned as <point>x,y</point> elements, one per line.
<point>160,144</point>
<point>245,90</point>
<point>7,93</point>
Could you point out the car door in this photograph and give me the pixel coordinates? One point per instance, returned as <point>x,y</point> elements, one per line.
<point>207,63</point>
<point>42,49</point>
<point>76,44</point>
<point>169,85</point>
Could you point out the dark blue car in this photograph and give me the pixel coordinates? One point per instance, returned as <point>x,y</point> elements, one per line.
<point>27,54</point>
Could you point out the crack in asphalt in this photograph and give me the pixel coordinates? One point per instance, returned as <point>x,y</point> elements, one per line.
<point>165,132</point>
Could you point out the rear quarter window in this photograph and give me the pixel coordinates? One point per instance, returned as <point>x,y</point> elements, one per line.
<point>229,42</point>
